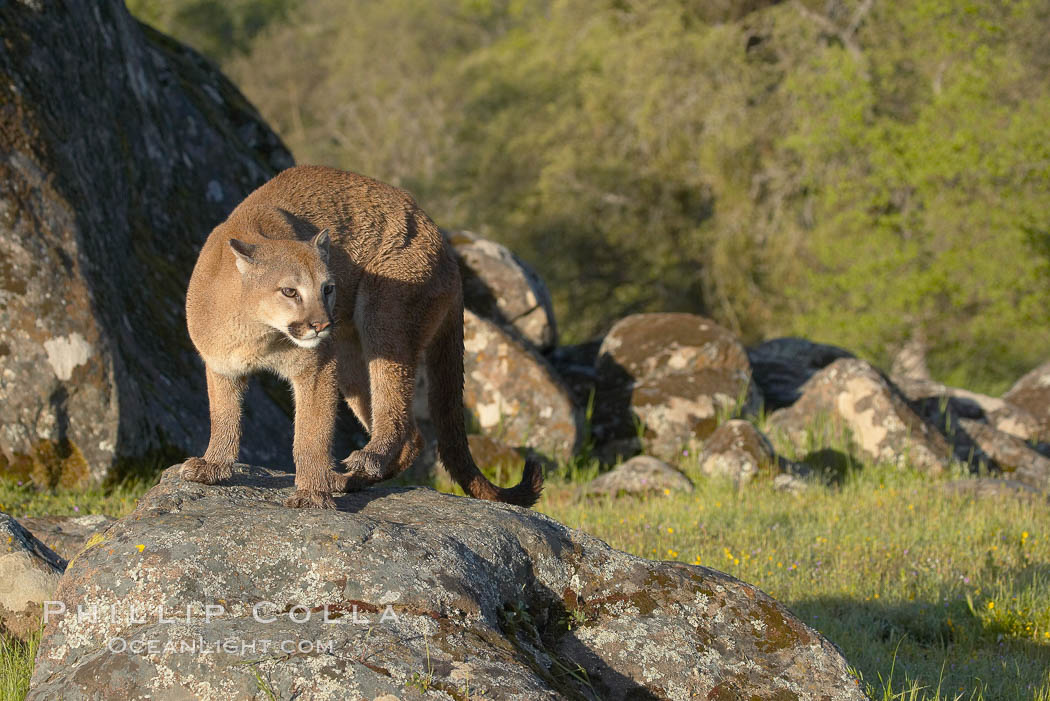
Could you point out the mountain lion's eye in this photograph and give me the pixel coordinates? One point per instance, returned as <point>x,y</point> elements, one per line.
<point>328,289</point>
<point>289,292</point>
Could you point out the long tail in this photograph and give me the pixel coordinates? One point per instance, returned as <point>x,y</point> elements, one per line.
<point>445,396</point>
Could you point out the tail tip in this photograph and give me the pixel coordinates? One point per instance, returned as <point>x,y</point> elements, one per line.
<point>527,491</point>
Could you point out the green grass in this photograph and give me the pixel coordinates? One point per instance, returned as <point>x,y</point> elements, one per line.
<point>930,595</point>
<point>16,667</point>
<point>21,499</point>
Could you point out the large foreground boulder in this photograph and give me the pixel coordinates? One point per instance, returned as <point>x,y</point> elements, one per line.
<point>120,149</point>
<point>500,287</point>
<point>457,593</point>
<point>850,396</point>
<point>676,375</point>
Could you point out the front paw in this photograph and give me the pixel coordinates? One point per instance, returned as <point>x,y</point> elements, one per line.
<point>199,470</point>
<point>363,466</point>
<point>302,499</point>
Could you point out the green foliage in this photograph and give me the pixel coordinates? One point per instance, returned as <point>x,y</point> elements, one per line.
<point>930,179</point>
<point>218,28</point>
<point>856,172</point>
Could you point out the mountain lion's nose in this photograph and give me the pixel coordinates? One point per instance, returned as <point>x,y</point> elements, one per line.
<point>319,326</point>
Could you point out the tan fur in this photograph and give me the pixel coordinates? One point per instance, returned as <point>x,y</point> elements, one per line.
<point>397,295</point>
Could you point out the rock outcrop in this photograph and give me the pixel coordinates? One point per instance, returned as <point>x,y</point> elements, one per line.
<point>782,365</point>
<point>1032,393</point>
<point>500,287</point>
<point>676,374</point>
<point>1007,453</point>
<point>944,406</point>
<point>29,575</point>
<point>120,149</point>
<point>639,475</point>
<point>739,451</point>
<point>850,395</point>
<point>513,394</point>
<point>457,592</point>
<point>66,535</point>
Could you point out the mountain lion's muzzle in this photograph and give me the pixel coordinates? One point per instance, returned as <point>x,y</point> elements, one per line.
<point>308,331</point>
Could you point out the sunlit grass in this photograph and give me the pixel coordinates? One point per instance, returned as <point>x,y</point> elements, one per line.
<point>20,499</point>
<point>931,595</point>
<point>16,666</point>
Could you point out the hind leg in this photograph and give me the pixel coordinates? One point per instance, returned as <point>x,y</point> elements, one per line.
<point>353,376</point>
<point>355,386</point>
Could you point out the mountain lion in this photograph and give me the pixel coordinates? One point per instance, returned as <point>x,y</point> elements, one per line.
<point>339,284</point>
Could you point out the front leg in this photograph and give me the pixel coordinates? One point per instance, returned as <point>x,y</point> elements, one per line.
<point>316,402</point>
<point>224,406</point>
<point>395,440</point>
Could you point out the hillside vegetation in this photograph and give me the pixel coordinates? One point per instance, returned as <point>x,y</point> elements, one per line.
<point>855,171</point>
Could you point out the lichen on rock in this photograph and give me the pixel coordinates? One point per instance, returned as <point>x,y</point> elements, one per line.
<point>851,397</point>
<point>500,287</point>
<point>512,393</point>
<point>672,377</point>
<point>119,150</point>
<point>449,587</point>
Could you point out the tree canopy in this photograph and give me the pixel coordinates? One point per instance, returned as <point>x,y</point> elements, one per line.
<point>855,171</point>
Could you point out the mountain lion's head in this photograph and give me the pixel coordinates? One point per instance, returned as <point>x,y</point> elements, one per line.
<point>290,285</point>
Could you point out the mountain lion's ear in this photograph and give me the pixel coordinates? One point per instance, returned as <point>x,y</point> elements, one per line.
<point>244,253</point>
<point>321,242</point>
